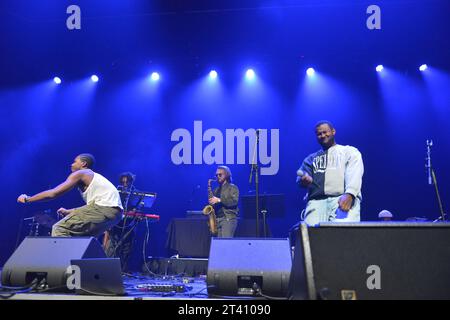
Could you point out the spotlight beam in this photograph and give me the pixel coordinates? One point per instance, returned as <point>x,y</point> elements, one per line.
<point>310,72</point>
<point>250,74</point>
<point>154,76</point>
<point>213,74</point>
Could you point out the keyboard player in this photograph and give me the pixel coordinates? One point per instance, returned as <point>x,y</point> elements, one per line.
<point>118,241</point>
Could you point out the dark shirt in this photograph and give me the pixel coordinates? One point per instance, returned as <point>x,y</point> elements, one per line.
<point>229,197</point>
<point>335,171</point>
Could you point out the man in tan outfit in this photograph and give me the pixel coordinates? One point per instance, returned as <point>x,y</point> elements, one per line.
<point>103,207</point>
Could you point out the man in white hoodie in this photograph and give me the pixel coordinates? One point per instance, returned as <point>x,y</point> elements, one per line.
<point>103,207</point>
<point>333,177</point>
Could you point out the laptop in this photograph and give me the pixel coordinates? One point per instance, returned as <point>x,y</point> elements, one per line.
<point>99,276</point>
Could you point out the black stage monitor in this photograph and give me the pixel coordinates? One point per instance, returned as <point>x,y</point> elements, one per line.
<point>48,259</point>
<point>243,266</point>
<point>380,260</point>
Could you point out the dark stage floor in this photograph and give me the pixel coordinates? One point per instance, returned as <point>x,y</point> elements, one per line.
<point>137,287</point>
<point>140,286</point>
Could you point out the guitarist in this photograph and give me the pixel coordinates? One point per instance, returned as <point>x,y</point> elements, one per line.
<point>225,202</point>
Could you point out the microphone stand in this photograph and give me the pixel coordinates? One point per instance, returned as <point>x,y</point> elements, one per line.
<point>19,232</point>
<point>432,180</point>
<point>256,169</point>
<point>125,207</point>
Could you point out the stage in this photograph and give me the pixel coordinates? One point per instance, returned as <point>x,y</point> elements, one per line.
<point>137,287</point>
<point>141,286</point>
<point>312,128</point>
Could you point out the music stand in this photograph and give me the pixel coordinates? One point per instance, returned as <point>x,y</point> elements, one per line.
<point>269,204</point>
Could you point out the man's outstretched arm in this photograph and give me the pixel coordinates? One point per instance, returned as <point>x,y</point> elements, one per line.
<point>50,194</point>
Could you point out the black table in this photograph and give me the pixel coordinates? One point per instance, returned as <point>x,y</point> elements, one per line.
<point>190,237</point>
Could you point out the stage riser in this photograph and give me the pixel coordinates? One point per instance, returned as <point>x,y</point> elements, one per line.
<point>173,267</point>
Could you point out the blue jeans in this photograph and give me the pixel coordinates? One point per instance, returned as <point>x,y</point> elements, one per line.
<point>327,210</point>
<point>226,226</point>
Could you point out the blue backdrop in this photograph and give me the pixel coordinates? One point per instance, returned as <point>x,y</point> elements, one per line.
<point>126,121</point>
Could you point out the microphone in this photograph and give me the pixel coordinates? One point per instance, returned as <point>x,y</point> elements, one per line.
<point>301,174</point>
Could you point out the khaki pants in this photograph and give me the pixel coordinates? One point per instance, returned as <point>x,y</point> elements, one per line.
<point>89,220</point>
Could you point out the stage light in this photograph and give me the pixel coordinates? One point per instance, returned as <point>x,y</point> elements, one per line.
<point>310,72</point>
<point>213,74</point>
<point>94,78</point>
<point>154,76</point>
<point>379,68</point>
<point>250,74</point>
<point>57,80</point>
<point>423,67</point>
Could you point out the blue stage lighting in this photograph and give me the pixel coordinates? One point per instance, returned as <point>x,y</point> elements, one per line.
<point>213,74</point>
<point>423,67</point>
<point>250,74</point>
<point>310,72</point>
<point>57,80</point>
<point>379,68</point>
<point>94,78</point>
<point>154,76</point>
